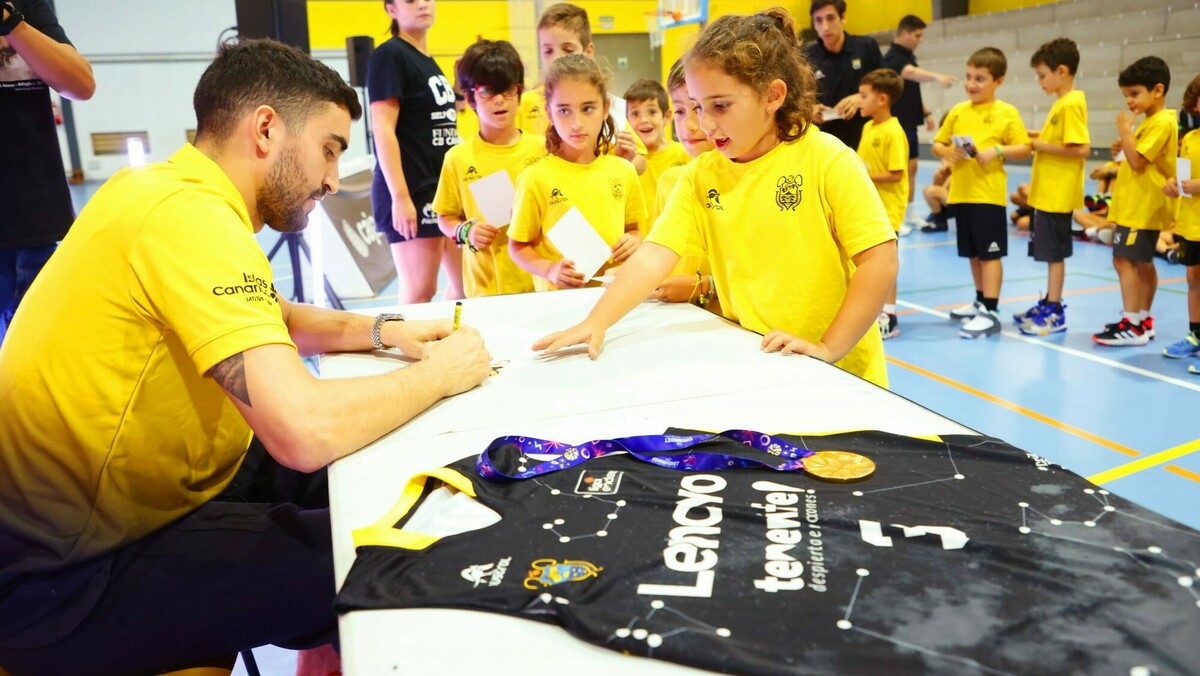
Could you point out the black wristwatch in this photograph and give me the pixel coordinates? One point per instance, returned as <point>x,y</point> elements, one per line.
<point>14,18</point>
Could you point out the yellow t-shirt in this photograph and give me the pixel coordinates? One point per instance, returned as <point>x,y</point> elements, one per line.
<point>988,125</point>
<point>490,271</point>
<point>694,261</point>
<point>606,192</point>
<point>1187,223</point>
<point>532,117</point>
<point>467,123</point>
<point>1057,183</point>
<point>1138,201</point>
<point>884,148</point>
<point>672,155</point>
<point>110,428</point>
<point>780,232</point>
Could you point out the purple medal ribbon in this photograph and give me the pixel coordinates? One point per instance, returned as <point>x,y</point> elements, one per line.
<point>672,451</point>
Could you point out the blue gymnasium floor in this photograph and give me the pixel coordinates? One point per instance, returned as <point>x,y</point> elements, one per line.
<point>1118,416</point>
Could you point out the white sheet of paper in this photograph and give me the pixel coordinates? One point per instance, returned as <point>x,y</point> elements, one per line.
<point>830,114</point>
<point>1120,157</point>
<point>618,110</point>
<point>1183,172</point>
<point>494,194</point>
<point>579,242</point>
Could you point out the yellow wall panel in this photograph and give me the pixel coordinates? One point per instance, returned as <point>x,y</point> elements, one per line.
<point>330,22</point>
<point>985,6</point>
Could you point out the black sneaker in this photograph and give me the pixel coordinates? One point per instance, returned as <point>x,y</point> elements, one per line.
<point>938,222</point>
<point>1122,333</point>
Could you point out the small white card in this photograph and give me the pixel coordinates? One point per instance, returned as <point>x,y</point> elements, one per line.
<point>579,242</point>
<point>1120,157</point>
<point>494,194</point>
<point>1183,172</point>
<point>967,144</point>
<point>828,114</point>
<point>618,109</point>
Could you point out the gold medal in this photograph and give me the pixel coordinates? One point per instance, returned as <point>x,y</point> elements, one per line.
<point>839,466</point>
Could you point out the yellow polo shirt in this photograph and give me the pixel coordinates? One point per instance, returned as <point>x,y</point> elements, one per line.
<point>989,125</point>
<point>884,148</point>
<point>606,191</point>
<point>489,271</point>
<point>1138,201</point>
<point>110,428</point>
<point>1057,182</point>
<point>694,261</point>
<point>779,233</point>
<point>672,155</point>
<point>1187,222</point>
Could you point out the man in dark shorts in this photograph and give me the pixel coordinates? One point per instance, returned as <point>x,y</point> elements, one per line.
<point>910,109</point>
<point>141,530</point>
<point>839,60</point>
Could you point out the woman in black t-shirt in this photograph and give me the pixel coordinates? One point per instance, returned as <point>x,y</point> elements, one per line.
<point>413,122</point>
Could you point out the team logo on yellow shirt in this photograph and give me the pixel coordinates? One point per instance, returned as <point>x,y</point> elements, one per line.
<point>549,572</point>
<point>250,287</point>
<point>618,188</point>
<point>987,119</point>
<point>472,174</point>
<point>877,142</point>
<point>557,197</point>
<point>714,200</point>
<point>1054,120</point>
<point>788,193</point>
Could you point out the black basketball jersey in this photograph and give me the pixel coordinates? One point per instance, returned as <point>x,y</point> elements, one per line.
<point>960,555</point>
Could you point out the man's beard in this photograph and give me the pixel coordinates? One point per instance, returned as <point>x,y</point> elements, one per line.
<point>282,198</point>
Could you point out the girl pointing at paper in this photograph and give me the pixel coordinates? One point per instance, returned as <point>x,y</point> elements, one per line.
<point>576,184</point>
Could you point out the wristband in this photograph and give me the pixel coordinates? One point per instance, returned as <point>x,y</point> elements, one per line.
<point>712,291</point>
<point>1000,152</point>
<point>14,19</point>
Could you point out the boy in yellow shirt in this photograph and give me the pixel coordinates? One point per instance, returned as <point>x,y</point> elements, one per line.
<point>977,137</point>
<point>1187,232</point>
<point>691,280</point>
<point>564,28</point>
<point>884,149</point>
<point>490,73</point>
<point>645,108</point>
<point>1138,207</point>
<point>1056,189</point>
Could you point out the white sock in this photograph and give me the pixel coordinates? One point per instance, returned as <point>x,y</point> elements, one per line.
<point>1131,316</point>
<point>890,309</point>
<point>1143,315</point>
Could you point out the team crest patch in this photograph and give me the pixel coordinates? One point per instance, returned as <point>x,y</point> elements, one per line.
<point>618,188</point>
<point>472,174</point>
<point>557,197</point>
<point>592,482</point>
<point>788,192</point>
<point>1054,120</point>
<point>549,572</point>
<point>856,64</point>
<point>877,142</point>
<point>987,119</point>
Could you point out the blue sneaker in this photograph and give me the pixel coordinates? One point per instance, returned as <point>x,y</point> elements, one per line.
<point>1194,367</point>
<point>1186,348</point>
<point>1020,318</point>
<point>1048,320</point>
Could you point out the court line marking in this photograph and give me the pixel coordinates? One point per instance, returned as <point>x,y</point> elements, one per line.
<point>1017,408</point>
<point>1122,471</point>
<point>1104,361</point>
<point>1185,473</point>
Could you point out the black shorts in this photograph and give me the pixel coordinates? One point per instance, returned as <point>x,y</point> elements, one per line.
<point>243,570</point>
<point>1050,237</point>
<point>1136,245</point>
<point>1189,251</point>
<point>982,231</point>
<point>914,147</point>
<point>427,225</point>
